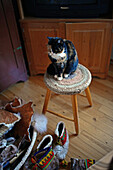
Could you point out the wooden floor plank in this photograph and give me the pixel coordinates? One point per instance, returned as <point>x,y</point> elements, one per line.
<point>96,122</point>
<point>102,100</point>
<point>102,90</point>
<point>105,82</point>
<point>108,111</point>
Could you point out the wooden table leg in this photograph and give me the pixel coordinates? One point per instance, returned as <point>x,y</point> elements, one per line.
<point>88,95</point>
<point>75,113</point>
<point>47,98</point>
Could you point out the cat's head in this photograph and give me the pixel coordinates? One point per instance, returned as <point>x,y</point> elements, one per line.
<point>56,49</point>
<point>56,44</point>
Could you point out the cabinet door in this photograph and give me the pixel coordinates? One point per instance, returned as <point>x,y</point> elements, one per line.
<point>93,44</point>
<point>12,67</point>
<point>35,38</point>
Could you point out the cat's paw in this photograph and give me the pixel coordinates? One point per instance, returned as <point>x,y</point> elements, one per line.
<point>55,76</point>
<point>59,78</point>
<point>66,75</point>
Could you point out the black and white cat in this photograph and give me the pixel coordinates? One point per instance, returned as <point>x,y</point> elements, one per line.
<point>63,56</point>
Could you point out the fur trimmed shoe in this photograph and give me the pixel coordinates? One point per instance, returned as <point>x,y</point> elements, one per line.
<point>45,142</point>
<point>60,148</point>
<point>45,159</point>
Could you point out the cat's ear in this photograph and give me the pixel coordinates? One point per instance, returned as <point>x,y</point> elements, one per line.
<point>49,38</point>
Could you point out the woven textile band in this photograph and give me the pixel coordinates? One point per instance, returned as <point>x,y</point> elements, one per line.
<point>73,85</point>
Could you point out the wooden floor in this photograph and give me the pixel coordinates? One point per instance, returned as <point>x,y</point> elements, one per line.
<point>96,123</point>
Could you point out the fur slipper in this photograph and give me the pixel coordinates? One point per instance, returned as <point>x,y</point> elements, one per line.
<point>42,159</point>
<point>45,142</point>
<point>60,147</point>
<point>45,159</point>
<point>8,153</point>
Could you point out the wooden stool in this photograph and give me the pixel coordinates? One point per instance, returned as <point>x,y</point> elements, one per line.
<point>74,85</point>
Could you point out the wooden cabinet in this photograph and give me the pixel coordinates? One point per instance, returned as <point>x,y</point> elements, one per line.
<point>92,42</point>
<point>12,66</point>
<point>35,38</point>
<point>92,39</point>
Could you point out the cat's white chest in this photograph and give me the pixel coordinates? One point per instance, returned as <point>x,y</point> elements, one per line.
<point>60,57</point>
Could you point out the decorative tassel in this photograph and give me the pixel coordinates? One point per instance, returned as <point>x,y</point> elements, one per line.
<point>39,122</point>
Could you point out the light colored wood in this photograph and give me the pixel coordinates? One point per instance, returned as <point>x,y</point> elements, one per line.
<point>20,9</point>
<point>96,123</point>
<point>60,115</point>
<point>35,38</point>
<point>92,40</point>
<point>103,163</point>
<point>74,107</point>
<point>48,94</point>
<point>75,113</point>
<point>93,44</point>
<point>63,20</point>
<point>88,94</point>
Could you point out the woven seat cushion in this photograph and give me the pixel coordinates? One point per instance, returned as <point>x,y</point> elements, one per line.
<point>74,84</point>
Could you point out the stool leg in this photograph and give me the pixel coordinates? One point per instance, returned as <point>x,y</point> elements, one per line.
<point>88,95</point>
<point>75,113</point>
<point>46,101</point>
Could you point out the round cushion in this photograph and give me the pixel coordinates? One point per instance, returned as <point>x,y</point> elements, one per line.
<point>74,84</point>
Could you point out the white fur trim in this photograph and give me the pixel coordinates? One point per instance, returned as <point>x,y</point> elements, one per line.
<point>10,125</point>
<point>28,151</point>
<point>22,104</point>
<point>20,101</point>
<point>61,151</point>
<point>57,127</point>
<point>48,144</point>
<point>3,143</point>
<point>39,122</point>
